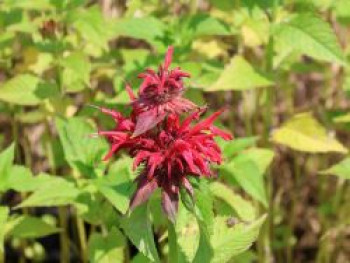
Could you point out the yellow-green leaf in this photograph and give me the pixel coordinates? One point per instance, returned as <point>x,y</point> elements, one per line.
<point>341,169</point>
<point>240,75</point>
<point>304,133</point>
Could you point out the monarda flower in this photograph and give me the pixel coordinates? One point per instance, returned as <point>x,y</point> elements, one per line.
<point>159,94</point>
<point>170,153</point>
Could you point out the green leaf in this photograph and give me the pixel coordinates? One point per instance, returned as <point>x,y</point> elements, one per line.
<point>240,75</point>
<point>312,36</point>
<point>117,186</point>
<point>228,242</point>
<point>106,249</point>
<point>29,227</point>
<point>81,151</point>
<point>76,72</point>
<point>302,132</point>
<point>248,175</point>
<point>204,204</point>
<point>26,89</point>
<point>235,146</point>
<point>148,28</point>
<point>137,227</point>
<point>261,157</point>
<point>6,160</point>
<point>206,25</point>
<point>56,192</point>
<point>92,26</point>
<point>22,180</point>
<point>341,169</point>
<point>244,209</point>
<point>4,212</point>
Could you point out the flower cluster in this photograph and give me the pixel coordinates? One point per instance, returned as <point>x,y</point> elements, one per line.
<point>153,135</point>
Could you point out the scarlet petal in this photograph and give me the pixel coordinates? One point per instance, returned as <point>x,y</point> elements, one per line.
<point>147,120</point>
<point>170,203</point>
<point>144,190</point>
<point>168,57</point>
<point>130,92</point>
<point>113,149</point>
<point>205,124</point>
<point>225,135</point>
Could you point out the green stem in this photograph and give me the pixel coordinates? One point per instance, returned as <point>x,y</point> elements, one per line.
<point>82,238</point>
<point>62,213</point>
<point>173,249</point>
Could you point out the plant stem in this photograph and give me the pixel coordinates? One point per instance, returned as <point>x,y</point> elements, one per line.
<point>62,213</point>
<point>82,238</point>
<point>173,249</point>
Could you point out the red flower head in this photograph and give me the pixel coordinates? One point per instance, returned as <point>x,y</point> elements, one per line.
<point>171,152</point>
<point>160,93</point>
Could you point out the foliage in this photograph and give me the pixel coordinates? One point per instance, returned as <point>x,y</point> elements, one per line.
<point>279,67</point>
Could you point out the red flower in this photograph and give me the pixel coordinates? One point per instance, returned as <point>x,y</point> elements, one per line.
<point>160,93</point>
<point>171,152</point>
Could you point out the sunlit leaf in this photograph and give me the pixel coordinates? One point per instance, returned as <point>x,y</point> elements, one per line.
<point>76,72</point>
<point>26,90</point>
<point>6,160</point>
<point>341,169</point>
<point>117,186</point>
<point>302,132</point>
<point>249,176</point>
<point>4,211</point>
<point>80,150</point>
<point>311,36</point>
<point>244,209</point>
<point>137,227</point>
<point>106,249</point>
<point>228,242</point>
<point>240,75</point>
<point>56,192</point>
<point>29,227</point>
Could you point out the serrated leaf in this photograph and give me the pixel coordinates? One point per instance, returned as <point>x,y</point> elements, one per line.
<point>137,227</point>
<point>27,89</point>
<point>29,227</point>
<point>80,150</point>
<point>341,169</point>
<point>240,75</point>
<point>106,249</point>
<point>56,192</point>
<point>6,160</point>
<point>206,25</point>
<point>244,209</point>
<point>4,212</point>
<point>76,72</point>
<point>148,28</point>
<point>117,187</point>
<point>312,36</point>
<point>233,147</point>
<point>303,133</point>
<point>228,242</point>
<point>261,157</point>
<point>92,26</point>
<point>249,176</point>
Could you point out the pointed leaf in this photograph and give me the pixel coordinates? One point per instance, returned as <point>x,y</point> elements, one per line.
<point>302,132</point>
<point>228,242</point>
<point>137,227</point>
<point>147,120</point>
<point>106,249</point>
<point>6,160</point>
<point>4,212</point>
<point>341,169</point>
<point>240,75</point>
<point>56,192</point>
<point>312,36</point>
<point>26,89</point>
<point>30,227</point>
<point>244,209</point>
